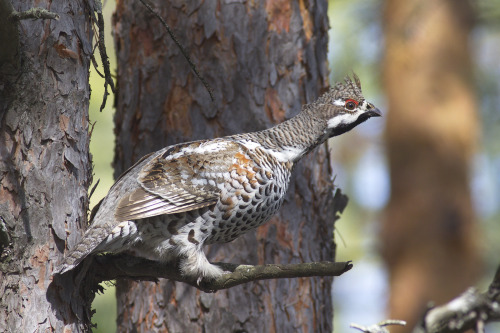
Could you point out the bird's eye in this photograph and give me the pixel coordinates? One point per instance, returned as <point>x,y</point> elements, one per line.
<point>351,104</point>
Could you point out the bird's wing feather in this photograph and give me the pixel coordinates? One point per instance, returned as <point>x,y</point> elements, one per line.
<point>182,179</point>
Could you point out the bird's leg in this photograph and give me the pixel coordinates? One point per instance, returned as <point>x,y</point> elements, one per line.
<point>195,264</point>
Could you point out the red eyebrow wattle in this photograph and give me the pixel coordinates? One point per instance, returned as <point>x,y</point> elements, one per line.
<point>352,100</point>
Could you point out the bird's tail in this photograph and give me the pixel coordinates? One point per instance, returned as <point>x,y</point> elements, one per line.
<point>92,238</point>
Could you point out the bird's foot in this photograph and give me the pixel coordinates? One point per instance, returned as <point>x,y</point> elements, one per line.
<point>206,283</point>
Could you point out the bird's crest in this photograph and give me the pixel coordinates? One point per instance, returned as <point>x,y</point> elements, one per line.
<point>348,88</point>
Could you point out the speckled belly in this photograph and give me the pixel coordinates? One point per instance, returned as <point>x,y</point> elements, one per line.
<point>243,209</point>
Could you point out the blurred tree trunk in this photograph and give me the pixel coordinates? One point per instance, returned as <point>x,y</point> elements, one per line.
<point>429,235</point>
<point>263,60</point>
<point>44,162</point>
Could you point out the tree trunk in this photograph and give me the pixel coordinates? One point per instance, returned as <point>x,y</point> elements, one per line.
<point>44,162</point>
<point>429,233</point>
<point>263,61</point>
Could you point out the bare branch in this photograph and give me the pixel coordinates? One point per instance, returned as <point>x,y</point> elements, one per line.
<point>380,327</point>
<point>95,185</point>
<point>110,267</point>
<point>101,45</point>
<point>470,310</point>
<point>108,80</point>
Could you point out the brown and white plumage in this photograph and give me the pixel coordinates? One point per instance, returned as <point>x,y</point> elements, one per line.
<point>173,201</point>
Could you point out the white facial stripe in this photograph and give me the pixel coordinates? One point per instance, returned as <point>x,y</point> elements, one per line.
<point>346,118</point>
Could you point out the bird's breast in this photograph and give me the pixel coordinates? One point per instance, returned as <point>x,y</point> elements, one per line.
<point>250,196</point>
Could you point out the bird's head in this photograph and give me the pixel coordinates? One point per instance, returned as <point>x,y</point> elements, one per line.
<point>344,107</point>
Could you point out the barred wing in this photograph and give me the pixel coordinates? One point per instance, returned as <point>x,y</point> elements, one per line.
<point>182,179</point>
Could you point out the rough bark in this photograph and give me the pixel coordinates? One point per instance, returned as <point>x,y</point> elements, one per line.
<point>429,232</point>
<point>44,162</point>
<point>263,61</point>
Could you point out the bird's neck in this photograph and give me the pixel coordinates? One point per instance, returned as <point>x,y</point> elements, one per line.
<point>292,139</point>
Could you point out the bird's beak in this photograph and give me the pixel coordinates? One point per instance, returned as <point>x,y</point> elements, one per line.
<point>372,111</point>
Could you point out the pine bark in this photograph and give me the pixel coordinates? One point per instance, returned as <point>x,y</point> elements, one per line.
<point>263,61</point>
<point>429,234</point>
<point>44,162</point>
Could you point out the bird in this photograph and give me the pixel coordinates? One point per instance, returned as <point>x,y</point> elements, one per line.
<point>172,202</point>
